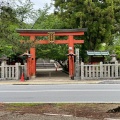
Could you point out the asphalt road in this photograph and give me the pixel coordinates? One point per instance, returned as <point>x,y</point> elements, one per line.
<point>84,93</point>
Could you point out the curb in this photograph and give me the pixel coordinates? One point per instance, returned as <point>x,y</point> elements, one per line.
<point>48,83</point>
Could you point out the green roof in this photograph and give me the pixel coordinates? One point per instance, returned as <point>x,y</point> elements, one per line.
<point>97,53</point>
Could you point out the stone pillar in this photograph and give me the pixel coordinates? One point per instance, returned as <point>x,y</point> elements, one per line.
<point>17,75</point>
<point>77,65</point>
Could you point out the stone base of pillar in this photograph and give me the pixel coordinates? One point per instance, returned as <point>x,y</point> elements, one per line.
<point>77,78</point>
<point>32,77</point>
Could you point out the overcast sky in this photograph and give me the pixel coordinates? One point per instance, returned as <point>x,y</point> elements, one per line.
<point>41,3</point>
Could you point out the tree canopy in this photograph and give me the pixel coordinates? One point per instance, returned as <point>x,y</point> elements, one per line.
<point>101,17</point>
<point>98,16</point>
<point>9,22</point>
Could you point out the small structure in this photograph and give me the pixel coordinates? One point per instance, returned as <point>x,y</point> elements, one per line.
<point>97,56</point>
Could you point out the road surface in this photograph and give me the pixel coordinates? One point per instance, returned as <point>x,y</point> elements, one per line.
<point>82,93</point>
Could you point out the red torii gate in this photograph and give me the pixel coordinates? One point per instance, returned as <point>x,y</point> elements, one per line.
<point>32,33</point>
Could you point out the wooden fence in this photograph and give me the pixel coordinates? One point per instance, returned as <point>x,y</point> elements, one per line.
<point>12,72</point>
<point>99,71</point>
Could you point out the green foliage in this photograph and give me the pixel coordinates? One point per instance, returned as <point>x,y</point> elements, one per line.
<point>115,47</point>
<point>8,23</point>
<point>25,11</point>
<point>117,51</point>
<point>47,21</point>
<point>102,19</point>
<point>96,16</point>
<point>52,51</point>
<point>9,39</point>
<point>50,21</point>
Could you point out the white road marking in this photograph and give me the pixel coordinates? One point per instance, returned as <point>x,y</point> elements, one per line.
<point>98,90</point>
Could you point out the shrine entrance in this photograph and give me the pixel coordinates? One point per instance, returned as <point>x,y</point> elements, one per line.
<point>70,33</point>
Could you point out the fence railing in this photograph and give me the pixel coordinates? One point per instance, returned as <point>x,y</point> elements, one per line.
<point>100,71</point>
<point>12,72</point>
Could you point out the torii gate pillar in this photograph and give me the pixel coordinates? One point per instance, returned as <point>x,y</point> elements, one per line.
<point>32,59</point>
<point>71,56</point>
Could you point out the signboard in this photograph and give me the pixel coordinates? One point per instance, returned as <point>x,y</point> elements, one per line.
<point>51,37</point>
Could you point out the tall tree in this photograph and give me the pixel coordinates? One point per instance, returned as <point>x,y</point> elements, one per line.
<point>9,22</point>
<point>49,21</point>
<point>25,11</point>
<point>96,15</point>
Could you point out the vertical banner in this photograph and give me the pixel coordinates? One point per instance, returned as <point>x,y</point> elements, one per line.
<point>77,65</point>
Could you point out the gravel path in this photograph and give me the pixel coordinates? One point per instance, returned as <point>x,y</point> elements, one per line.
<point>18,116</point>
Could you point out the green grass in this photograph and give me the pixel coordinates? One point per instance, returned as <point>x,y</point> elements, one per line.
<point>24,104</point>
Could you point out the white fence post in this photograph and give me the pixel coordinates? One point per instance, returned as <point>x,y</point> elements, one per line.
<point>101,69</point>
<point>116,69</point>
<point>82,70</point>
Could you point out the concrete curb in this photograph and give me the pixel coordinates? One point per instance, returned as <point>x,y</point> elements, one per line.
<point>46,82</point>
<point>54,81</point>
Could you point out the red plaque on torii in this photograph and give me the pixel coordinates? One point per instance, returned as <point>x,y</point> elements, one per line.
<point>32,33</point>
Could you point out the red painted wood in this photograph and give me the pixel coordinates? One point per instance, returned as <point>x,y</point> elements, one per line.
<point>78,41</point>
<point>32,67</point>
<point>56,42</point>
<point>70,41</point>
<point>33,62</point>
<point>59,41</point>
<point>42,42</point>
<point>71,58</point>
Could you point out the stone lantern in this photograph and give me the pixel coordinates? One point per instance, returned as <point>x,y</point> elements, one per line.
<point>113,58</point>
<point>3,60</point>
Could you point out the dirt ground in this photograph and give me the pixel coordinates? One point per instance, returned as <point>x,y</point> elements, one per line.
<point>59,111</point>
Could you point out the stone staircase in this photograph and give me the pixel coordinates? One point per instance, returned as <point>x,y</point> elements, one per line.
<point>46,66</point>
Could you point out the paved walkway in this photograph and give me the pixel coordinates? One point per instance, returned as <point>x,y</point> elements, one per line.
<point>56,77</point>
<point>43,82</point>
